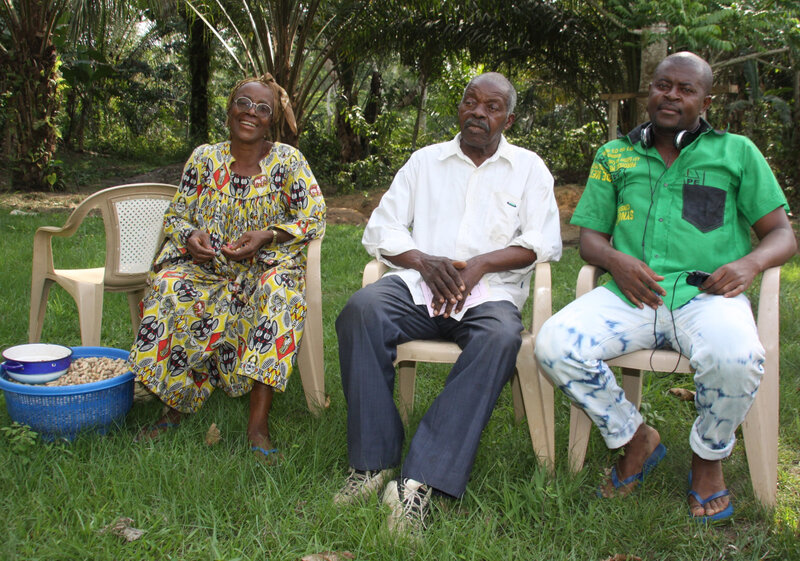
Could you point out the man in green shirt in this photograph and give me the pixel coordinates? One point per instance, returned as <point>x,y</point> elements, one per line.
<point>672,197</point>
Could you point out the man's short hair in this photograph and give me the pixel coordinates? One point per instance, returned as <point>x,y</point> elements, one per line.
<point>511,92</point>
<point>689,58</point>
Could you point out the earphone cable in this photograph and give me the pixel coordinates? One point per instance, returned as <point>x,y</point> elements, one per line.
<point>674,332</point>
<point>652,202</point>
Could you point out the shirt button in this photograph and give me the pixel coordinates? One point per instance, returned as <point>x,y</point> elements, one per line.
<point>657,256</point>
<point>661,220</point>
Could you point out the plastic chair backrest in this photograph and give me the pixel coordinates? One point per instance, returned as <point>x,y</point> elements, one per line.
<point>134,222</point>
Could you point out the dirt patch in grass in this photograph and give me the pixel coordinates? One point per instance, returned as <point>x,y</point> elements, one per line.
<point>352,208</point>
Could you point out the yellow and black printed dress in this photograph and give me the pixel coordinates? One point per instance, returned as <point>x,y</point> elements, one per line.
<point>228,323</point>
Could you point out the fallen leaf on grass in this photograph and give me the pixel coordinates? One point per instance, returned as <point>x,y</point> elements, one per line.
<point>682,394</point>
<point>329,556</point>
<point>213,436</point>
<point>122,527</point>
<point>623,557</point>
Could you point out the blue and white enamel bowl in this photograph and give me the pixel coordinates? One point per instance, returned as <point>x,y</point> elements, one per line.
<point>37,363</point>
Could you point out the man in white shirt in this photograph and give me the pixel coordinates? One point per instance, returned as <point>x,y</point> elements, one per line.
<point>461,228</point>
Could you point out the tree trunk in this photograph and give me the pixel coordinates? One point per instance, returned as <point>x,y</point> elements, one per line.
<point>795,135</point>
<point>652,54</point>
<point>86,113</point>
<point>33,75</point>
<point>373,107</point>
<point>199,58</point>
<point>420,123</point>
<point>349,142</point>
<point>796,88</point>
<point>72,116</point>
<point>79,108</point>
<point>282,75</point>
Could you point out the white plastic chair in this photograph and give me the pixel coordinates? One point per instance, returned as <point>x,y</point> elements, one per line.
<point>760,427</point>
<point>532,392</point>
<point>133,216</point>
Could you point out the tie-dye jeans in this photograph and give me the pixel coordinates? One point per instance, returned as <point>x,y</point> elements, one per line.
<point>717,334</point>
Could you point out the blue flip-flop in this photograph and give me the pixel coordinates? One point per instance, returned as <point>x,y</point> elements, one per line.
<point>651,462</point>
<point>727,512</point>
<point>265,451</point>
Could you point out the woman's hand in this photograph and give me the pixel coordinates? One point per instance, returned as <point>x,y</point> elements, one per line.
<point>247,246</point>
<point>199,246</point>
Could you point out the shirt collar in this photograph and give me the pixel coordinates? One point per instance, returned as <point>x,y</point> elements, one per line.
<point>635,136</point>
<point>453,148</point>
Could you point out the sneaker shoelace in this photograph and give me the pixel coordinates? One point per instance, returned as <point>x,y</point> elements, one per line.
<point>415,502</point>
<point>356,480</point>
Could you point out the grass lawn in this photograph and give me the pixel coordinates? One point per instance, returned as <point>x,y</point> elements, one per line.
<point>199,502</point>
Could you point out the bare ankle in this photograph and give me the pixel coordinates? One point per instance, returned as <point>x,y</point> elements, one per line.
<point>643,442</point>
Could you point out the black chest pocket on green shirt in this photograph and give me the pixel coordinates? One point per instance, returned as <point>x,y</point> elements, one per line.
<point>703,206</point>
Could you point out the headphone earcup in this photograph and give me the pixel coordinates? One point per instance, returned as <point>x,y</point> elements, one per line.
<point>683,139</point>
<point>647,136</point>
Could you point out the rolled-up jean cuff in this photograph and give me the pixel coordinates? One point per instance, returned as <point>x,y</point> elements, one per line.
<point>706,453</point>
<point>622,437</point>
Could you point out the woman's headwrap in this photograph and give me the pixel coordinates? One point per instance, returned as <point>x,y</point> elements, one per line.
<point>282,101</point>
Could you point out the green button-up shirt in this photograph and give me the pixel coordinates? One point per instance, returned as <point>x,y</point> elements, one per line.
<point>694,215</point>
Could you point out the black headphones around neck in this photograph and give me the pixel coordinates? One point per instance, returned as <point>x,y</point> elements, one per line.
<point>681,140</point>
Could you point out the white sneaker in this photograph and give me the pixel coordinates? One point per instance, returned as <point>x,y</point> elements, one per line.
<point>410,502</point>
<point>360,484</point>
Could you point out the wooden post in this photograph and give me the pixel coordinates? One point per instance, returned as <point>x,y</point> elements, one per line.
<point>614,99</point>
<point>613,118</point>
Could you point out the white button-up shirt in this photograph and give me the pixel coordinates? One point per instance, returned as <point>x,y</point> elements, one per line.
<point>441,204</point>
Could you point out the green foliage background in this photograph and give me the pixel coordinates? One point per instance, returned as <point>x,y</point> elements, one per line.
<point>124,72</point>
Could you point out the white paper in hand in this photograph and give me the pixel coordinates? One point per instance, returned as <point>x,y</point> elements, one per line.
<point>478,295</point>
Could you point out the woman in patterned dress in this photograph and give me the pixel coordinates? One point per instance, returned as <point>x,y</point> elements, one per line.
<point>225,306</point>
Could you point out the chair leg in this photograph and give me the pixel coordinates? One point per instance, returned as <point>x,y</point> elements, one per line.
<point>40,290</point>
<point>406,374</point>
<point>312,371</point>
<point>311,359</point>
<point>760,432</point>
<point>134,298</point>
<point>632,386</point>
<point>579,427</point>
<point>537,396</point>
<point>89,298</point>
<point>547,419</point>
<point>516,398</point>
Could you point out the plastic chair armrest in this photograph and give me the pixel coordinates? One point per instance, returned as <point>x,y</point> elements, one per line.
<point>769,308</point>
<point>373,271</point>
<point>542,296</point>
<point>587,279</point>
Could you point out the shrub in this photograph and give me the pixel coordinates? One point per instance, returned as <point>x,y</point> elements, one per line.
<point>567,153</point>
